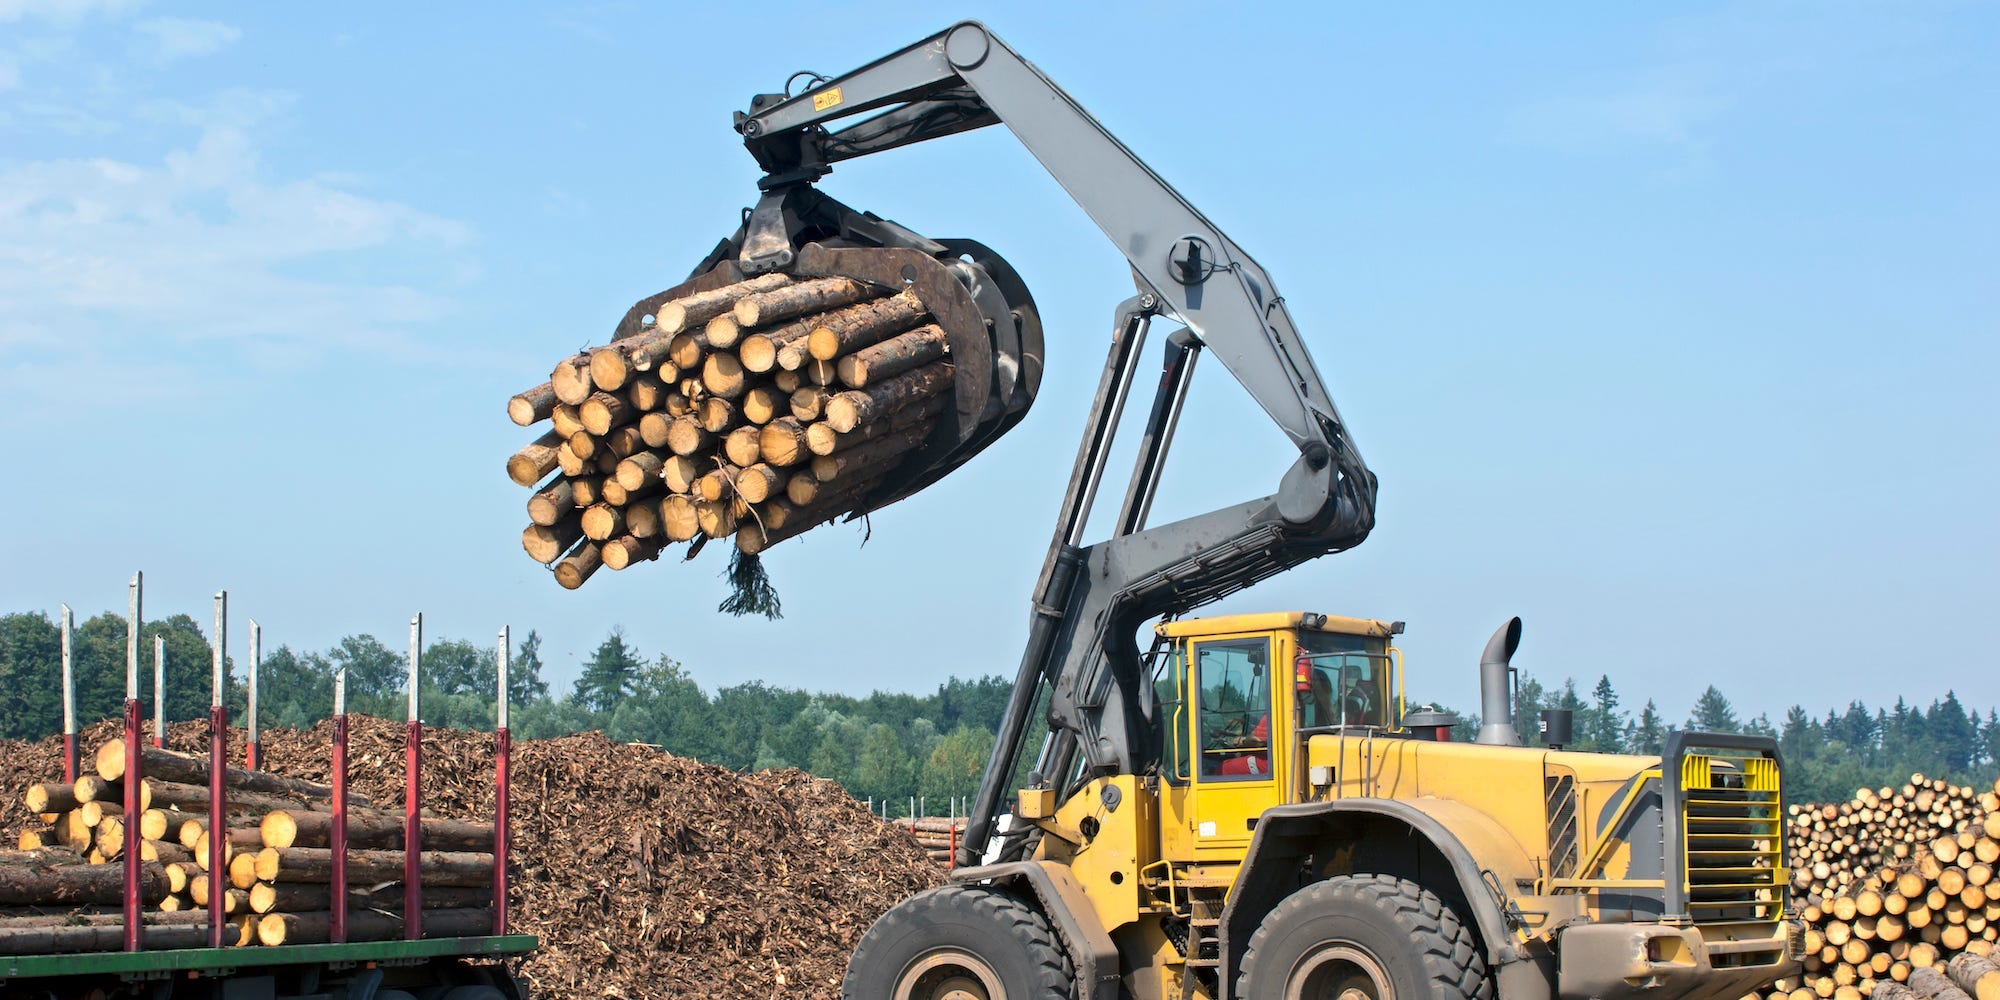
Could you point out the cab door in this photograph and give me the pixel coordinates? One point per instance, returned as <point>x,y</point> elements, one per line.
<point>1236,770</point>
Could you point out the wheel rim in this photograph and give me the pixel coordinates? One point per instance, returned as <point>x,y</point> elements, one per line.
<point>950,974</point>
<point>1338,971</point>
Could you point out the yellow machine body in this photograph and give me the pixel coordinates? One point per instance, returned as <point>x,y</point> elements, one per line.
<point>1568,851</point>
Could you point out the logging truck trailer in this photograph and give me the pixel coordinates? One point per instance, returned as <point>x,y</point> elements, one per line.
<point>350,921</point>
<point>1247,811</point>
<point>462,968</point>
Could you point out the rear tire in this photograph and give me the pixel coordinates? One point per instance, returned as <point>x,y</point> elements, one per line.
<point>959,943</point>
<point>1363,937</point>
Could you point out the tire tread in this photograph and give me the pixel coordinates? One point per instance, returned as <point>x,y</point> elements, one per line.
<point>1011,917</point>
<point>1449,952</point>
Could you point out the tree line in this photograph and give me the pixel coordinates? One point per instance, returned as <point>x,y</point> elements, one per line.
<point>885,746</point>
<point>1826,758</point>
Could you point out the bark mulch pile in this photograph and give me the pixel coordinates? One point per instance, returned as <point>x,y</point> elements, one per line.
<point>643,874</point>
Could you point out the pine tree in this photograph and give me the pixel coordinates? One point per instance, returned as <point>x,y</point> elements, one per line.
<point>1713,714</point>
<point>1608,723</point>
<point>524,672</point>
<point>1649,734</point>
<point>610,675</point>
<point>1800,734</point>
<point>1528,710</point>
<point>1957,735</point>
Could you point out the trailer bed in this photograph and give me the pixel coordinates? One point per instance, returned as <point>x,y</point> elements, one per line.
<point>224,961</point>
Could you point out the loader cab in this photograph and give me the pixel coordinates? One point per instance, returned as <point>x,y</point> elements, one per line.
<point>1238,695</point>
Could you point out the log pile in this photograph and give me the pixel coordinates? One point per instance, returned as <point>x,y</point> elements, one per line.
<point>937,835</point>
<point>67,878</point>
<point>1897,892</point>
<point>643,874</point>
<point>754,411</point>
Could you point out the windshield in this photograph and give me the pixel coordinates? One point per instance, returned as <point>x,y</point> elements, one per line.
<point>1349,681</point>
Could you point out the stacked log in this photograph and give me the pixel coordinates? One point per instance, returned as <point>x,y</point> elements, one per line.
<point>1897,892</point>
<point>937,835</point>
<point>63,890</point>
<point>754,411</point>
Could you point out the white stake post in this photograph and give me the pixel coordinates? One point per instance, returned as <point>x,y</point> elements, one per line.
<point>252,753</point>
<point>68,697</point>
<point>159,691</point>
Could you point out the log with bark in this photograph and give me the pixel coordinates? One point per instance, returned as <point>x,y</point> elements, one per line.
<point>72,885</point>
<point>699,308</point>
<point>578,566</point>
<point>571,379</point>
<point>799,299</point>
<point>168,765</point>
<point>850,409</point>
<point>892,357</point>
<point>275,929</point>
<point>314,865</point>
<point>532,406</point>
<point>534,461</point>
<point>50,797</point>
<point>864,325</point>
<point>65,934</point>
<point>306,897</point>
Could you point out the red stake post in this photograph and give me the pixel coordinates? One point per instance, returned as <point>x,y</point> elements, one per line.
<point>413,828</point>
<point>218,776</point>
<point>338,838</point>
<point>501,748</point>
<point>134,781</point>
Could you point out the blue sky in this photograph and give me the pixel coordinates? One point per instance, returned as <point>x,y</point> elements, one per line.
<point>1670,328</point>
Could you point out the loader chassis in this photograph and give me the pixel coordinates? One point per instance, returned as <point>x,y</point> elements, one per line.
<point>1241,812</point>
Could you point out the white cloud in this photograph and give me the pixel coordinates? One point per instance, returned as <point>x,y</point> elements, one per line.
<point>61,11</point>
<point>185,38</point>
<point>111,261</point>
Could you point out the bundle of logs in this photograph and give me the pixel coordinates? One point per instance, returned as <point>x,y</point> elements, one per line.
<point>937,835</point>
<point>756,410</point>
<point>63,888</point>
<point>1896,889</point>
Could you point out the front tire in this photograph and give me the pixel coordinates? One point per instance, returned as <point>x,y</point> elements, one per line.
<point>1363,937</point>
<point>958,943</point>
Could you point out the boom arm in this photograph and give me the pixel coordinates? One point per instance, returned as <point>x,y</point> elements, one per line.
<point>1091,598</point>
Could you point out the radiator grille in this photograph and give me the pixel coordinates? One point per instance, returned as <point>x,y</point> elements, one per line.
<point>1734,837</point>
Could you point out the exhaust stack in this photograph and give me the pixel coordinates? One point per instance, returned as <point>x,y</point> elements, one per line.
<point>1496,701</point>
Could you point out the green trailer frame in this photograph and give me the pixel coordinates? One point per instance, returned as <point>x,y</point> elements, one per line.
<point>217,962</point>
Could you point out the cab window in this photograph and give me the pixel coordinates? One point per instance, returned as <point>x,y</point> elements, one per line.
<point>1349,680</point>
<point>1233,710</point>
<point>1170,717</point>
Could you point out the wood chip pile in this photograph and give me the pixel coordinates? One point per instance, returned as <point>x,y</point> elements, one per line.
<point>1897,891</point>
<point>644,874</point>
<point>754,411</point>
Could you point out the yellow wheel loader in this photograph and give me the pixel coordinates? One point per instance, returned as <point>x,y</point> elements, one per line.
<point>1244,809</point>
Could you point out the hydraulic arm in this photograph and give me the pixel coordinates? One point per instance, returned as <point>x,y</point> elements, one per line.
<point>1091,597</point>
